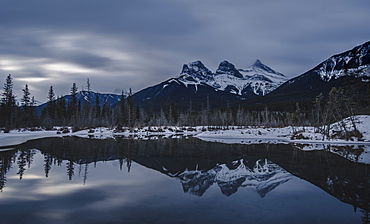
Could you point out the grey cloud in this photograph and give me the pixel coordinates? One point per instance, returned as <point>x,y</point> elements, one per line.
<point>85,59</point>
<point>144,42</point>
<point>143,16</point>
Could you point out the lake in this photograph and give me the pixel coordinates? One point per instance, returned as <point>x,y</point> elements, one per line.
<point>179,180</point>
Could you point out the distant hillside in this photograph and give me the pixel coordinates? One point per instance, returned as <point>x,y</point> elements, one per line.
<point>88,98</point>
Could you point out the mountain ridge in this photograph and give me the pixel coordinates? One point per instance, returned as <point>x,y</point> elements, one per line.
<point>349,69</point>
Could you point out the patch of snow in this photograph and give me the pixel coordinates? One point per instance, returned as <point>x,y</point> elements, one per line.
<point>18,137</point>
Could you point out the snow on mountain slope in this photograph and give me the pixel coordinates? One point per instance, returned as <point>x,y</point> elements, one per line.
<point>257,79</point>
<point>355,62</point>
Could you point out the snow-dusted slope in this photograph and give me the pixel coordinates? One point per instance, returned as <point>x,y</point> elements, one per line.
<point>349,70</point>
<point>257,79</point>
<point>355,62</point>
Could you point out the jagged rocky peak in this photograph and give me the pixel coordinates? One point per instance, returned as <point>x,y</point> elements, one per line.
<point>226,67</point>
<point>258,65</point>
<point>196,69</point>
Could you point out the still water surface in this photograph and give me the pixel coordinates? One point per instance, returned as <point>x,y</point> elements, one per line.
<point>75,180</point>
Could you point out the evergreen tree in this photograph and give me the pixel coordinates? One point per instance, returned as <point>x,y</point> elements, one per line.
<point>88,91</point>
<point>72,107</point>
<point>121,108</point>
<point>97,109</point>
<point>48,113</point>
<point>60,110</point>
<point>8,105</point>
<point>27,112</point>
<point>51,95</point>
<point>130,109</point>
<point>318,100</point>
<point>8,98</point>
<point>26,100</point>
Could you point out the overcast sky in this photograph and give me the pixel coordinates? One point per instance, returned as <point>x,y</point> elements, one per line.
<point>139,43</point>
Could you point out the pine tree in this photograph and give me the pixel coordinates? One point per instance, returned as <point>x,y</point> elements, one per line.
<point>8,105</point>
<point>27,112</point>
<point>60,110</point>
<point>51,99</point>
<point>130,109</point>
<point>51,95</point>
<point>48,113</point>
<point>88,90</point>
<point>97,106</point>
<point>120,110</point>
<point>317,106</point>
<point>72,107</point>
<point>26,100</point>
<point>8,96</point>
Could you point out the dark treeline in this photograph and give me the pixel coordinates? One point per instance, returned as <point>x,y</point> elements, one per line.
<point>325,109</point>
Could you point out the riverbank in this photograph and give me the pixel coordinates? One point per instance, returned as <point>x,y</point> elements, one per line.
<point>355,130</point>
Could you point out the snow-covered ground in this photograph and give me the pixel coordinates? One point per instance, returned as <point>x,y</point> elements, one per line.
<point>251,135</point>
<point>16,137</point>
<point>304,138</point>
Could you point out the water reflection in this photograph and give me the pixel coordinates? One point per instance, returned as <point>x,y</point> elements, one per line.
<point>263,177</point>
<point>198,165</point>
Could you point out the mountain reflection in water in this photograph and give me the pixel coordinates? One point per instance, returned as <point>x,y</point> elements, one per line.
<point>263,177</point>
<point>198,165</point>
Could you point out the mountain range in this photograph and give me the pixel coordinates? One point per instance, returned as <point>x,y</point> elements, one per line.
<point>197,88</point>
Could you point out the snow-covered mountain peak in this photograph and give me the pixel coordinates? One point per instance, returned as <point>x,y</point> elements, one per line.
<point>196,72</point>
<point>259,68</point>
<point>259,64</point>
<point>226,67</point>
<point>355,62</point>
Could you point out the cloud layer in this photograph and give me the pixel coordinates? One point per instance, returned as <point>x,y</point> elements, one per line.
<point>123,44</point>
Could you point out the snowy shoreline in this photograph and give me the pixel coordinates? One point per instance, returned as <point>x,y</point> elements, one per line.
<point>304,138</point>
